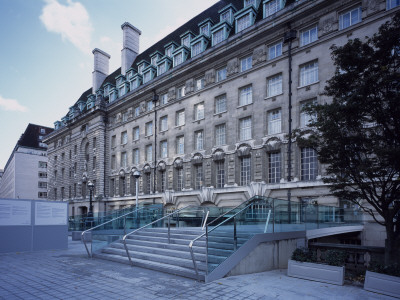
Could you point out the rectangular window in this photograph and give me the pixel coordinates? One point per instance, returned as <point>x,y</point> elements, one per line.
<point>149,153</point>
<point>274,167</point>
<point>186,41</point>
<point>164,149</point>
<point>245,171</point>
<point>220,104</point>
<point>199,84</point>
<point>94,162</point>
<point>149,129</point>
<point>246,95</point>
<point>113,141</point>
<point>137,111</point>
<point>220,135</point>
<point>199,140</point>
<point>168,51</point>
<point>163,178</point>
<point>125,116</point>
<point>179,179</point>
<point>309,73</point>
<point>112,187</point>
<point>246,63</point>
<point>113,162</point>
<point>204,30</point>
<point>42,164</point>
<point>249,2</point>
<point>274,85</point>
<point>274,122</point>
<point>161,69</point>
<point>221,74</point>
<point>196,49</point>
<point>154,60</point>
<point>135,156</point>
<point>164,99</point>
<point>220,174</point>
<point>147,77</point>
<point>306,118</point>
<point>178,59</point>
<point>218,36</point>
<point>42,194</point>
<point>275,50</point>
<point>124,138</point>
<point>392,3</point>
<point>199,111</point>
<point>136,133</point>
<point>164,123</point>
<point>124,159</point>
<point>243,23</point>
<point>180,145</point>
<point>181,92</point>
<point>42,175</point>
<point>308,164</point>
<point>271,7</point>
<point>198,182</point>
<point>180,118</point>
<point>309,35</point>
<point>350,18</point>
<point>245,129</point>
<point>225,16</point>
<point>42,184</point>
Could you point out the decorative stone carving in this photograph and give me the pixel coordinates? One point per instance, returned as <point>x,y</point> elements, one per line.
<point>232,67</point>
<point>121,174</point>
<point>147,169</point>
<point>257,189</point>
<point>209,77</point>
<point>161,166</point>
<point>130,113</point>
<point>327,23</point>
<point>118,118</point>
<point>178,163</point>
<point>259,55</point>
<point>244,151</point>
<point>371,5</point>
<point>197,159</point>
<point>273,144</point>
<point>218,155</point>
<point>206,194</point>
<point>168,197</point>
<point>189,86</point>
<point>171,94</point>
<point>142,107</point>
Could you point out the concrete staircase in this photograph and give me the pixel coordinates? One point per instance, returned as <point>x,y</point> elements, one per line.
<point>149,248</point>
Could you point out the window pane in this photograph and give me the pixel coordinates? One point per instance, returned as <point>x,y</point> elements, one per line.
<point>274,85</point>
<point>218,36</point>
<point>308,164</point>
<point>308,36</point>
<point>274,167</point>
<point>220,174</point>
<point>243,23</point>
<point>220,135</point>
<point>220,104</point>
<point>274,122</point>
<point>245,171</point>
<point>246,95</point>
<point>275,50</point>
<point>245,129</point>
<point>246,63</point>
<point>309,73</point>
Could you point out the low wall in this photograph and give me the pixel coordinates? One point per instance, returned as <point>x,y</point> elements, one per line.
<point>31,225</point>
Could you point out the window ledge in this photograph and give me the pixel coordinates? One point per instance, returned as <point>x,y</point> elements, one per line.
<point>274,96</point>
<point>308,85</point>
<point>245,105</point>
<point>198,120</point>
<point>179,126</point>
<point>220,113</point>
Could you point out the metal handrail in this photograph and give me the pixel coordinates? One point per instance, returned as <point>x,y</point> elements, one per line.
<point>251,200</point>
<point>136,230</point>
<point>87,230</point>
<point>207,232</point>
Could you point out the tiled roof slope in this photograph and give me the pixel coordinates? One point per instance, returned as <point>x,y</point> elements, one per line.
<point>30,138</point>
<point>192,25</point>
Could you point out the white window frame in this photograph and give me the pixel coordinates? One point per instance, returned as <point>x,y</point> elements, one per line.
<point>245,129</point>
<point>218,36</point>
<point>274,85</point>
<point>180,144</point>
<point>305,118</point>
<point>274,167</point>
<point>271,7</point>
<point>163,123</point>
<point>308,73</point>
<point>135,156</point>
<point>197,48</point>
<point>149,153</point>
<point>181,92</point>
<point>243,22</point>
<point>275,121</point>
<point>220,104</point>
<point>199,111</point>
<point>124,138</point>
<point>309,164</point>
<point>221,74</point>
<point>149,129</point>
<point>309,35</point>
<point>199,140</point>
<point>246,95</point>
<point>351,21</point>
<point>164,149</point>
<point>180,118</point>
<point>246,63</point>
<point>164,99</point>
<point>135,133</point>
<point>220,135</point>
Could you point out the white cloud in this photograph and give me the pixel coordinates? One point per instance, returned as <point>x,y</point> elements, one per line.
<point>11,105</point>
<point>71,21</point>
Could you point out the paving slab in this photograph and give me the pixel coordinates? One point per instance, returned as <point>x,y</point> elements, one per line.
<point>70,274</point>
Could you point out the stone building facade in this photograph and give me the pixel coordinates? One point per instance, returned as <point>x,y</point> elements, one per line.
<point>204,113</point>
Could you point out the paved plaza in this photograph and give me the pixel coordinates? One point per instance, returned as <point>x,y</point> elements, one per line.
<point>70,274</point>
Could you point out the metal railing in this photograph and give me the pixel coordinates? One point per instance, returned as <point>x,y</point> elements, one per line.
<point>90,253</point>
<point>168,217</point>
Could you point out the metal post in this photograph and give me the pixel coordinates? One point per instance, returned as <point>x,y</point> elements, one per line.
<point>206,249</point>
<point>273,215</point>
<point>234,234</point>
<point>124,225</point>
<point>169,225</point>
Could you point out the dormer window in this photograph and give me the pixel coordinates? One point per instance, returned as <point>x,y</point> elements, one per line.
<point>161,69</point>
<point>135,81</point>
<point>130,73</point>
<point>120,79</point>
<point>186,38</point>
<point>81,105</point>
<point>107,89</point>
<point>149,73</point>
<point>225,16</point>
<point>198,45</point>
<point>141,66</point>
<point>245,18</point>
<point>170,48</point>
<point>113,94</point>
<point>196,49</point>
<point>249,2</point>
<point>140,69</point>
<point>90,101</point>
<point>220,32</point>
<point>272,6</point>
<point>163,65</point>
<point>155,57</point>
<point>180,55</point>
<point>186,41</point>
<point>205,27</point>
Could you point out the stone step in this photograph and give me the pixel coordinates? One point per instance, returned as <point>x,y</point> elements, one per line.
<point>157,266</point>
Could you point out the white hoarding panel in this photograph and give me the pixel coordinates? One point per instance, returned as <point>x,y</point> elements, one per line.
<point>50,213</point>
<point>15,212</point>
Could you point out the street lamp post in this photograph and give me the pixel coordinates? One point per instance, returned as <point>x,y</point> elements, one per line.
<point>90,214</point>
<point>137,174</point>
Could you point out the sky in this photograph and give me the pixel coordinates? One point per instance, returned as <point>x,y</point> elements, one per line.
<point>46,59</point>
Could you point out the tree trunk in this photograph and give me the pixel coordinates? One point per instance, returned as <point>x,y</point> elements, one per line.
<point>392,247</point>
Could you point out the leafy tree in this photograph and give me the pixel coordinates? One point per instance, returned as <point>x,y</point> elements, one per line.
<point>358,134</point>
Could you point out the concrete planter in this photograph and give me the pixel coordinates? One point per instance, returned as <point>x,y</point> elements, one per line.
<point>317,272</point>
<point>382,283</point>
